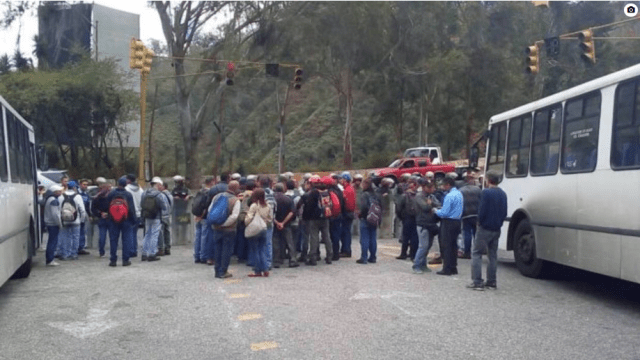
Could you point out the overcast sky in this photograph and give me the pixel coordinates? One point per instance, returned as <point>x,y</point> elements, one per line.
<point>150,27</point>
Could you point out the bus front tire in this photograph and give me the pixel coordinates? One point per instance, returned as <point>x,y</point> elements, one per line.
<point>524,251</point>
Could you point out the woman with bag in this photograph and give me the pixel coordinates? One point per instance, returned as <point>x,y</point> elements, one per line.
<point>258,216</point>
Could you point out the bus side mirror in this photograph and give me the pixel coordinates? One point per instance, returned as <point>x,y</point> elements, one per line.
<point>473,157</point>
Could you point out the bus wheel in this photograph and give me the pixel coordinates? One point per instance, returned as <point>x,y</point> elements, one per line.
<point>524,251</point>
<point>24,270</point>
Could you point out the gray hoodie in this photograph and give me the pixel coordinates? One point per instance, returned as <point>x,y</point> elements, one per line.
<point>164,206</point>
<point>136,192</point>
<point>77,199</point>
<point>52,211</point>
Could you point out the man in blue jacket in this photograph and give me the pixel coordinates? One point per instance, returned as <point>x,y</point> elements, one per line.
<point>119,223</point>
<point>450,213</point>
<point>491,215</point>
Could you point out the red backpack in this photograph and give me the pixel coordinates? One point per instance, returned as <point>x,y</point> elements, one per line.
<point>335,205</point>
<point>119,209</point>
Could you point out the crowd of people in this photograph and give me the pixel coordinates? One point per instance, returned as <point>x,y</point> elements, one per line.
<point>269,224</point>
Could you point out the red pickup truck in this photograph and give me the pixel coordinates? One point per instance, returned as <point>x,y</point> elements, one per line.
<point>413,165</point>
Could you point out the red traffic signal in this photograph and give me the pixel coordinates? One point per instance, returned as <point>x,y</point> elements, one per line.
<point>297,79</point>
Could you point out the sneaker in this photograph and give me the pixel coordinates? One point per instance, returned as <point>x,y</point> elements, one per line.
<point>328,261</point>
<point>293,265</point>
<point>464,256</point>
<point>153,258</point>
<point>265,273</point>
<point>402,257</point>
<point>53,263</point>
<point>83,252</point>
<point>336,257</point>
<point>345,255</point>
<point>210,262</point>
<point>492,286</point>
<point>425,269</point>
<point>144,258</point>
<point>312,263</point>
<point>112,264</point>
<point>436,260</point>
<point>418,271</point>
<point>126,263</point>
<point>259,274</point>
<point>196,261</point>
<point>102,255</point>
<point>160,252</point>
<point>226,275</point>
<point>167,252</point>
<point>360,261</point>
<point>373,261</point>
<point>474,286</point>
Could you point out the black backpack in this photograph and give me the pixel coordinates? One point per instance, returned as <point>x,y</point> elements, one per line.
<point>200,203</point>
<point>150,207</point>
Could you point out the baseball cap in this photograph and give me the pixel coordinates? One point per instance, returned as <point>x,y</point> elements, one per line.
<point>157,180</point>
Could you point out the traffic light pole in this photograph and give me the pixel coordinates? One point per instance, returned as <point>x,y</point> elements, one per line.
<point>143,109</point>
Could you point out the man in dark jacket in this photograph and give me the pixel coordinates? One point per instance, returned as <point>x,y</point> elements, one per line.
<point>427,224</point>
<point>368,241</point>
<point>407,211</point>
<point>491,214</point>
<point>218,188</point>
<point>471,198</point>
<point>335,224</point>
<point>100,210</point>
<point>122,227</point>
<point>312,214</point>
<point>282,234</point>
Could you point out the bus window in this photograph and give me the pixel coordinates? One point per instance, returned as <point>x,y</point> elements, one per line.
<point>518,147</point>
<point>546,141</point>
<point>580,135</point>
<point>496,147</point>
<point>625,152</point>
<point>4,174</point>
<point>26,170</point>
<point>13,151</point>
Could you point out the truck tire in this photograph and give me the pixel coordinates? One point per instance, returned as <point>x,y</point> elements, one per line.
<point>524,251</point>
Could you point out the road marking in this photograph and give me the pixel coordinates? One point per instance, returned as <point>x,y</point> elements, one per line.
<point>232,281</point>
<point>389,247</point>
<point>238,296</point>
<point>389,254</point>
<point>265,345</point>
<point>249,316</point>
<point>399,299</point>
<point>94,324</point>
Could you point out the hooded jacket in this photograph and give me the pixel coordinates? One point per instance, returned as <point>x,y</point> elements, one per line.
<point>161,201</point>
<point>136,192</point>
<point>77,200</point>
<point>52,211</point>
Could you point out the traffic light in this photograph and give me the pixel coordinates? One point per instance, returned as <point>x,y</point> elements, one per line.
<point>297,79</point>
<point>146,62</point>
<point>587,46</point>
<point>136,54</point>
<point>231,67</point>
<point>532,59</point>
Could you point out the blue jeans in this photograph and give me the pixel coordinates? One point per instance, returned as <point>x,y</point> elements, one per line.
<point>209,248</point>
<point>269,246</point>
<point>425,239</point>
<point>134,238</point>
<point>223,243</point>
<point>303,239</point>
<point>103,228</point>
<point>485,239</point>
<point>200,241</point>
<point>150,242</point>
<point>115,230</point>
<point>70,237</point>
<point>368,242</point>
<point>345,234</point>
<point>52,242</point>
<point>335,230</point>
<point>258,252</point>
<point>469,231</point>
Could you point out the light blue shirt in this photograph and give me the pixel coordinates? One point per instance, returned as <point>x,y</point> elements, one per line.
<point>452,207</point>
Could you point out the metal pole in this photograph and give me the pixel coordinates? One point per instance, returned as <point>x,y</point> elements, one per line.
<point>96,40</point>
<point>143,108</point>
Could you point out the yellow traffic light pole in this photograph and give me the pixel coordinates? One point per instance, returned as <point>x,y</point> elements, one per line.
<point>141,58</point>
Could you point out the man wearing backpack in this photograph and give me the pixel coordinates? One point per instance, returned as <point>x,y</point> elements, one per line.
<point>199,210</point>
<point>224,234</point>
<point>73,213</point>
<point>100,209</point>
<point>86,224</point>
<point>318,206</point>
<point>53,221</point>
<point>122,216</point>
<point>348,215</point>
<point>407,211</point>
<point>368,223</point>
<point>164,241</point>
<point>153,206</point>
<point>218,188</point>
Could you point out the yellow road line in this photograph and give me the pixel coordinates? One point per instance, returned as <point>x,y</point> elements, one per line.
<point>264,345</point>
<point>232,281</point>
<point>238,296</point>
<point>249,316</point>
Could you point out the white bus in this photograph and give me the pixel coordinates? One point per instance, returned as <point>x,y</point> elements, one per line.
<point>571,171</point>
<point>19,220</point>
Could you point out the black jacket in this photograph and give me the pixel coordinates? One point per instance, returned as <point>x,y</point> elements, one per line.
<point>425,217</point>
<point>471,200</point>
<point>365,201</point>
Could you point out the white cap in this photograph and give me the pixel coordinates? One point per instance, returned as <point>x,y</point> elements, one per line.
<point>429,174</point>
<point>307,176</point>
<point>157,180</point>
<point>405,175</point>
<point>452,175</point>
<point>387,181</point>
<point>56,187</point>
<point>175,178</point>
<point>251,177</point>
<point>289,175</point>
<point>236,176</point>
<point>100,180</point>
<point>357,176</point>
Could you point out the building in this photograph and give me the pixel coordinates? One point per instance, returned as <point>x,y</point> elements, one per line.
<point>64,28</point>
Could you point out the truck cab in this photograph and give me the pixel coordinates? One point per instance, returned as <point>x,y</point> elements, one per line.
<point>432,152</point>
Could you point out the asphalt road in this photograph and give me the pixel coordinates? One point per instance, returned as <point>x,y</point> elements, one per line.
<point>175,309</point>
